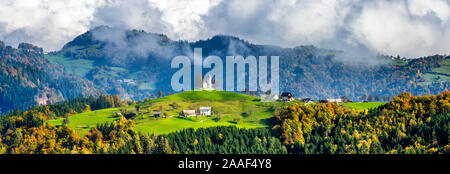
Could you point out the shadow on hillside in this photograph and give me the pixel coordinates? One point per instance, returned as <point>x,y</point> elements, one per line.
<point>186,118</point>
<point>267,121</point>
<point>233,122</point>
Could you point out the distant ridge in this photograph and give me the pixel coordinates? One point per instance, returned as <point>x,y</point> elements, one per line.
<point>143,60</point>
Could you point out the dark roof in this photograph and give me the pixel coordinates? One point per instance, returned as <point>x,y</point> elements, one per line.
<point>286,94</point>
<point>324,101</point>
<point>306,99</point>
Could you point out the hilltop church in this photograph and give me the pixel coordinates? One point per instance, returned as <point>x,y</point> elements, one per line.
<point>207,83</point>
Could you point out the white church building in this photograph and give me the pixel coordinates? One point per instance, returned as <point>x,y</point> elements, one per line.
<point>207,83</point>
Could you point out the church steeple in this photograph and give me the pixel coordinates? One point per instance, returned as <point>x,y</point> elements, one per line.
<point>207,82</point>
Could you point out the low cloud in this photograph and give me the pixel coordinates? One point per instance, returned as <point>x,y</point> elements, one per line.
<point>125,46</point>
<point>410,28</point>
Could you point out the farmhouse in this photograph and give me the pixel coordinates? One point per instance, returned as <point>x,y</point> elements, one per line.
<point>205,110</point>
<point>156,113</point>
<point>331,100</point>
<point>287,96</point>
<point>189,113</point>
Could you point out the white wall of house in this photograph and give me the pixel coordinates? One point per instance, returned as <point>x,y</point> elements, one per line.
<point>205,111</point>
<point>189,113</point>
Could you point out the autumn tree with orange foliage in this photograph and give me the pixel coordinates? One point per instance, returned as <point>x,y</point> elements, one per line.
<point>407,124</point>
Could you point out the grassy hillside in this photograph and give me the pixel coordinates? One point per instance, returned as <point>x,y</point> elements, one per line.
<point>444,67</point>
<point>439,74</point>
<point>362,106</point>
<point>74,66</point>
<point>230,109</point>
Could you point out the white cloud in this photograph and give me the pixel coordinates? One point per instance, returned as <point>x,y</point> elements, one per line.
<point>183,17</point>
<point>388,27</point>
<point>136,14</point>
<point>44,22</point>
<point>407,27</point>
<point>439,7</point>
<point>312,21</point>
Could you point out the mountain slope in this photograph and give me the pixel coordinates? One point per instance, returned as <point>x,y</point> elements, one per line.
<point>27,79</point>
<point>136,64</point>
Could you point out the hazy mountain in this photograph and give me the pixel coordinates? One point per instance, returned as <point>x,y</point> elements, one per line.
<point>27,78</point>
<point>136,64</point>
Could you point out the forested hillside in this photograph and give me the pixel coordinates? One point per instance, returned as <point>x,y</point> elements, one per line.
<point>407,124</point>
<point>27,79</point>
<point>136,65</point>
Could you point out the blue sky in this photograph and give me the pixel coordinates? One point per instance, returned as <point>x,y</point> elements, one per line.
<point>411,28</point>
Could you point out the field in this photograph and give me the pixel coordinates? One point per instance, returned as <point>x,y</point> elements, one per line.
<point>81,66</point>
<point>362,106</point>
<point>83,122</point>
<point>440,74</point>
<point>74,66</point>
<point>229,109</point>
<point>444,68</point>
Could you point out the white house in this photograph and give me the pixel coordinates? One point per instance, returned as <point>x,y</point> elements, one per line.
<point>205,110</point>
<point>189,113</point>
<point>332,100</point>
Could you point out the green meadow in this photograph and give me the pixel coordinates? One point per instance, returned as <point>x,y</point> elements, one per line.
<point>444,67</point>
<point>440,74</point>
<point>362,105</point>
<point>229,108</point>
<point>74,66</point>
